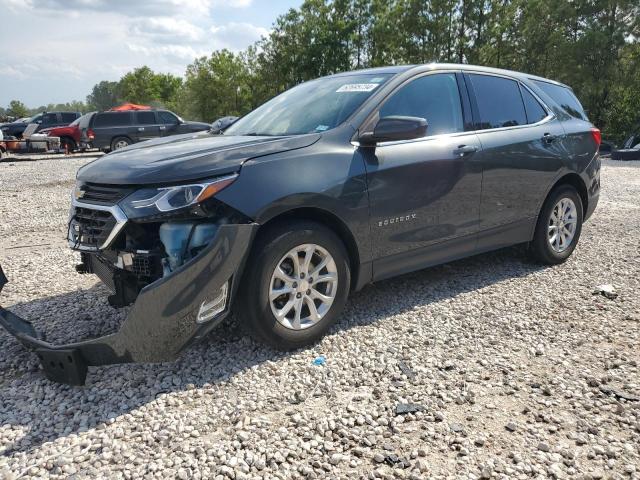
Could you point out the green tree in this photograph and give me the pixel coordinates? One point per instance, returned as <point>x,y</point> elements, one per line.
<point>17,109</point>
<point>104,95</point>
<point>143,85</point>
<point>216,86</point>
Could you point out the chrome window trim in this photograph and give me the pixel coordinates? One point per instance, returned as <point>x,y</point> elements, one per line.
<point>115,210</point>
<point>383,101</point>
<point>550,114</point>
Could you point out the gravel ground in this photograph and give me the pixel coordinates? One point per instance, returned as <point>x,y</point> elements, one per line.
<point>486,367</point>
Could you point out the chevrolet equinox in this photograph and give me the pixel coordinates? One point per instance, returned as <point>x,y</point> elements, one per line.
<point>336,183</point>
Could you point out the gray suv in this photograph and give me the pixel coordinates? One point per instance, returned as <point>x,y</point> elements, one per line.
<point>114,130</point>
<point>334,184</point>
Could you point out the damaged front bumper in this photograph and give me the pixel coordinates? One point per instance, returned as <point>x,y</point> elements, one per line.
<point>166,317</point>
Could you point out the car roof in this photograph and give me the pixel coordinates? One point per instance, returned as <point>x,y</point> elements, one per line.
<point>449,66</point>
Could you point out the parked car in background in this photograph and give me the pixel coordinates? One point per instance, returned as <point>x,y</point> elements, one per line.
<point>630,148</point>
<point>119,129</point>
<point>72,136</point>
<point>44,120</point>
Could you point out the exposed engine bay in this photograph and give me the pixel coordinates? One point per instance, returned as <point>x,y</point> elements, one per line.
<point>128,254</point>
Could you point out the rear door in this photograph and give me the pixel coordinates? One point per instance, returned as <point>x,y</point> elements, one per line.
<point>107,126</point>
<point>146,125</point>
<point>521,154</point>
<point>424,192</point>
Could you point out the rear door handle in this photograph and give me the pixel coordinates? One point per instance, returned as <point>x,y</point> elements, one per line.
<point>463,150</point>
<point>141,129</point>
<point>162,127</point>
<point>548,138</point>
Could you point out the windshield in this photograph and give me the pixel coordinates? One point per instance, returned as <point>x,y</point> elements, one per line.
<point>34,119</point>
<point>312,107</point>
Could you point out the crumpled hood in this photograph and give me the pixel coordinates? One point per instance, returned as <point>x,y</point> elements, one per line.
<point>184,158</point>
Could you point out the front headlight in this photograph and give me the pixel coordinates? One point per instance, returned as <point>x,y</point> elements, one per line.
<point>153,201</point>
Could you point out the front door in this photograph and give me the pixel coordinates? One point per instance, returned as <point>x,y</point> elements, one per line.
<point>424,194</point>
<point>146,125</point>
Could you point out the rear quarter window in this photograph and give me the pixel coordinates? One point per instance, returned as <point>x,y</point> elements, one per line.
<point>564,97</point>
<point>112,119</point>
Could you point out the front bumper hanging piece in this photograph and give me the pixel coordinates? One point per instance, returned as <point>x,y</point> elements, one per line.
<point>163,320</point>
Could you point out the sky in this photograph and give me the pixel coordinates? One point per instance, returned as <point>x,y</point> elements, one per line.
<point>54,51</point>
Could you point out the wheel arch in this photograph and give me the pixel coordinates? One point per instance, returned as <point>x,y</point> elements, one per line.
<point>69,139</point>
<point>575,181</point>
<point>115,137</point>
<point>329,220</point>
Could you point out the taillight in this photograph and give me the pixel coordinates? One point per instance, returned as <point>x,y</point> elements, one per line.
<point>597,136</point>
<point>90,134</point>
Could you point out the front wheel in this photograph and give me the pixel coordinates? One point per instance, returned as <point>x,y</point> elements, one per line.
<point>559,226</point>
<point>296,283</point>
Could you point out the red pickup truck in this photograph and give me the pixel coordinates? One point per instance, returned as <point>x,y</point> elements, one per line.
<point>74,136</point>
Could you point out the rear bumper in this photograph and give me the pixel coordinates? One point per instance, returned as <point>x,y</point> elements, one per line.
<point>163,320</point>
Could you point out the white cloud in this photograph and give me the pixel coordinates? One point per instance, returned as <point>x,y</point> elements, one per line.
<point>129,8</point>
<point>232,3</point>
<point>11,71</point>
<point>103,39</point>
<point>237,35</point>
<point>167,30</point>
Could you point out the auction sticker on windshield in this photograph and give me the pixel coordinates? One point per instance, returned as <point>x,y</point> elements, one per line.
<point>357,87</point>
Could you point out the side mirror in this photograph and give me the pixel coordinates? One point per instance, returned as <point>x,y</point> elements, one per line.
<point>389,129</point>
<point>222,123</point>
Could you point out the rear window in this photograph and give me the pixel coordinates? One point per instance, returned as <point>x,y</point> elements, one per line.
<point>564,97</point>
<point>499,101</point>
<point>112,119</point>
<point>69,117</point>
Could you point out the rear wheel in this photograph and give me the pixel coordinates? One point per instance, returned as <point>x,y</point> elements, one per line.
<point>120,142</point>
<point>559,226</point>
<point>296,284</point>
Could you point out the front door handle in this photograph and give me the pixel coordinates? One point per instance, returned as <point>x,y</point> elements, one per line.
<point>162,127</point>
<point>548,138</point>
<point>141,129</point>
<point>463,150</point>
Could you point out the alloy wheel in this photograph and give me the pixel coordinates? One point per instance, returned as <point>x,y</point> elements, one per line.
<point>303,286</point>
<point>562,226</point>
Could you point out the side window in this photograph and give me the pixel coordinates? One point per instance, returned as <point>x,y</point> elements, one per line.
<point>534,110</point>
<point>68,117</point>
<point>168,118</point>
<point>499,101</point>
<point>434,97</point>
<point>115,119</point>
<point>49,119</point>
<point>565,97</point>
<point>146,118</point>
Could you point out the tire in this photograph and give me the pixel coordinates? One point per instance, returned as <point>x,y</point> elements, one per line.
<point>68,144</point>
<point>257,309</point>
<point>551,250</point>
<point>625,154</point>
<point>120,142</point>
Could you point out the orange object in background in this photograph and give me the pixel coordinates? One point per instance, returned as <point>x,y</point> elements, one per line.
<point>129,106</point>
